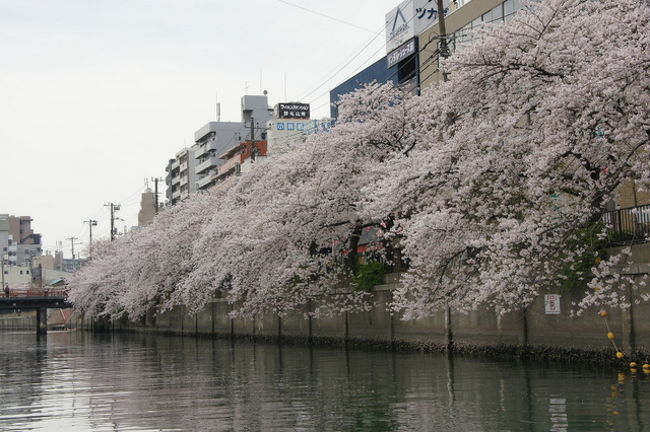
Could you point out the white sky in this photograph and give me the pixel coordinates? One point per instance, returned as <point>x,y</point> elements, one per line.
<point>97,95</point>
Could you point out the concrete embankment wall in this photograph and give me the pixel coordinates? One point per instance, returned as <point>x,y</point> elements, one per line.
<point>483,330</point>
<point>15,322</point>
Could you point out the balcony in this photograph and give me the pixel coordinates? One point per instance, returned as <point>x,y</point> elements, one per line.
<point>209,163</point>
<point>229,165</point>
<point>210,146</point>
<point>205,182</point>
<point>628,226</point>
<point>176,180</point>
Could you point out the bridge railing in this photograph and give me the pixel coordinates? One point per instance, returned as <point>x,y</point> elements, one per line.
<point>37,292</point>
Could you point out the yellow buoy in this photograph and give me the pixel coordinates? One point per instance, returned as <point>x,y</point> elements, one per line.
<point>633,364</point>
<point>603,313</point>
<point>619,355</point>
<point>646,366</point>
<point>611,335</point>
<point>633,370</point>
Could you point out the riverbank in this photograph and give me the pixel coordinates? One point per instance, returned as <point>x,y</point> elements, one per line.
<point>536,333</point>
<point>18,321</point>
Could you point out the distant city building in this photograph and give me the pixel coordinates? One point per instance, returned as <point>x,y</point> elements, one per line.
<point>58,260</point>
<point>18,277</point>
<point>18,242</point>
<point>147,208</point>
<point>72,265</point>
<point>197,168</point>
<point>212,140</point>
<point>413,44</point>
<point>291,125</point>
<point>44,261</point>
<point>181,176</point>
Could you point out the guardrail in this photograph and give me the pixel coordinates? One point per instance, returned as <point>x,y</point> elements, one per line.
<point>629,225</point>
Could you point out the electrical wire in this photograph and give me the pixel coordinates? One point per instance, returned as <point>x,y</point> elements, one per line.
<point>326,16</point>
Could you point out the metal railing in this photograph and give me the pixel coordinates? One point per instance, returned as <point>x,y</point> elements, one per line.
<point>36,292</point>
<point>629,225</point>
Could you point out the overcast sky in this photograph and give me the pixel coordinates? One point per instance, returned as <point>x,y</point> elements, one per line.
<point>97,95</point>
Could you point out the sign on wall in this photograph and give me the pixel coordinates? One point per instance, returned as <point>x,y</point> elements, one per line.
<point>400,25</point>
<point>552,304</point>
<point>401,53</point>
<point>409,19</point>
<point>292,111</point>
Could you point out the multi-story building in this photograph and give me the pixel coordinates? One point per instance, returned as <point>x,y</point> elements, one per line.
<point>196,168</point>
<point>147,208</point>
<point>187,173</point>
<point>461,20</point>
<point>289,126</point>
<point>413,42</point>
<point>18,242</point>
<point>181,176</point>
<point>212,140</point>
<point>172,180</point>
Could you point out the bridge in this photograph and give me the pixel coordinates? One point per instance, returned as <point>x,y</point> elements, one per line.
<point>36,299</point>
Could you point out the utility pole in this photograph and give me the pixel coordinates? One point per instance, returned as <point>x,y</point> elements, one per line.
<point>91,223</point>
<point>114,208</point>
<point>2,261</point>
<point>155,188</point>
<point>72,239</point>
<point>443,52</point>
<point>254,150</point>
<point>443,48</point>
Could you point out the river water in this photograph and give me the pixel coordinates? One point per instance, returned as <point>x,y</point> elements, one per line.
<point>77,381</point>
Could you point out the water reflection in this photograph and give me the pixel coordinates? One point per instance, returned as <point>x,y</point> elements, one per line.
<point>80,382</point>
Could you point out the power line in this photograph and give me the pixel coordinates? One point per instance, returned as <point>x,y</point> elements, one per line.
<point>345,64</point>
<point>326,16</point>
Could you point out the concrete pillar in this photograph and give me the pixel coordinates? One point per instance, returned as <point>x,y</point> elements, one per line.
<point>41,321</point>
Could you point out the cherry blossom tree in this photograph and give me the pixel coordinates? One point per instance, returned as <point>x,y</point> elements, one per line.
<point>271,244</point>
<point>492,185</point>
<point>541,121</point>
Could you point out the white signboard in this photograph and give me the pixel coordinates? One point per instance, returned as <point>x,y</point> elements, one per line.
<point>552,304</point>
<point>409,19</point>
<point>400,25</point>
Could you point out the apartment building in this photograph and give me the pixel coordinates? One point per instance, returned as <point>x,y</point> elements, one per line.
<point>19,244</point>
<point>196,168</point>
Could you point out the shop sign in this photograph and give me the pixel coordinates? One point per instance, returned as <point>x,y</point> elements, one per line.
<point>409,19</point>
<point>293,111</point>
<point>401,53</point>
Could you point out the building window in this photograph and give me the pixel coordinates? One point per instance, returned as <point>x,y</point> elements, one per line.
<point>26,271</point>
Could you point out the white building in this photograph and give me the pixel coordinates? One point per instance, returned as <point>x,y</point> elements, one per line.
<point>181,175</point>
<point>212,140</point>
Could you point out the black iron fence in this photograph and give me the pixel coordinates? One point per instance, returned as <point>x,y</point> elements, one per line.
<point>629,225</point>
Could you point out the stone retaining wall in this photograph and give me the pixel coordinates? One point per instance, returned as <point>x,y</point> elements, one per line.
<point>532,330</point>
